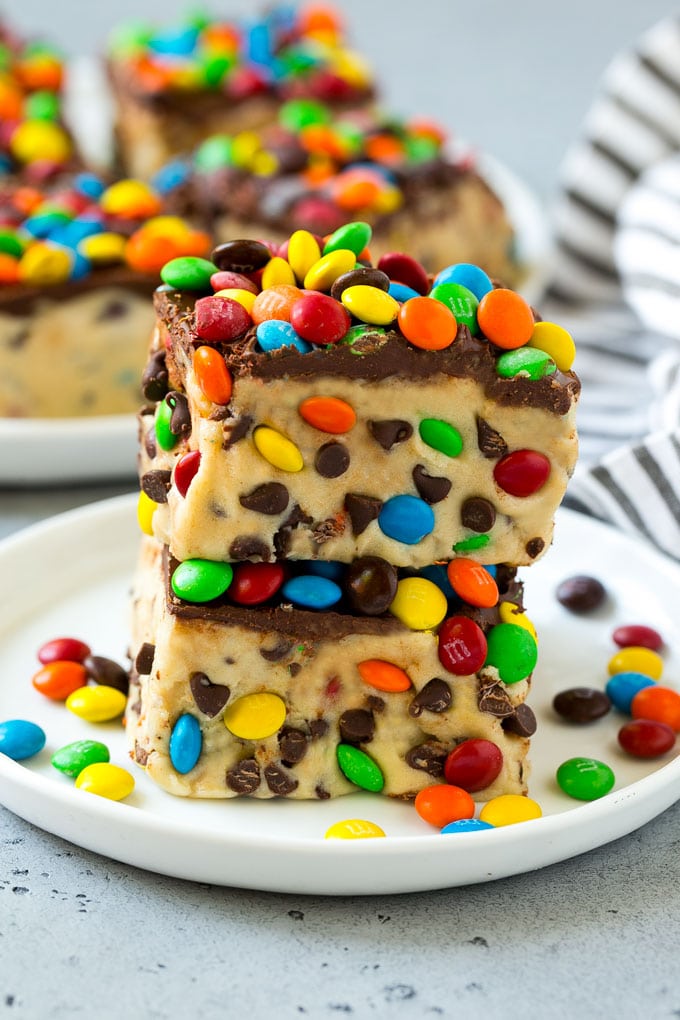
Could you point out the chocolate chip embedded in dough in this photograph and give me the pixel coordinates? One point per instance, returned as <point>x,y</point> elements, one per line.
<point>180,419</point>
<point>535,547</point>
<point>150,443</point>
<point>144,658</point>
<point>494,700</point>
<point>292,745</point>
<point>430,488</point>
<point>271,498</point>
<point>244,777</point>
<point>156,485</point>
<point>332,460</point>
<point>141,754</point>
<point>371,585</point>
<point>324,531</point>
<point>107,672</point>
<point>296,517</point>
<point>389,431</point>
<point>362,510</point>
<point>278,781</point>
<point>491,443</point>
<point>375,703</point>
<point>210,698</point>
<point>235,430</point>
<point>428,757</point>
<point>248,547</point>
<point>318,728</point>
<point>357,726</point>
<point>155,377</point>
<point>116,308</point>
<point>435,696</point>
<point>522,722</point>
<point>278,652</point>
<point>478,514</point>
<point>321,792</point>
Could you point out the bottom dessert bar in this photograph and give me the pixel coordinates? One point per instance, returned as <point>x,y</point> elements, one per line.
<point>228,700</point>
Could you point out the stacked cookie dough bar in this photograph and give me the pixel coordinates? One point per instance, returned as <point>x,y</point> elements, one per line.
<point>342,466</point>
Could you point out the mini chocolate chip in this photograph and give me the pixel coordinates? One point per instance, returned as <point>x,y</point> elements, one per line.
<point>375,703</point>
<point>278,781</point>
<point>114,309</point>
<point>357,726</point>
<point>241,256</point>
<point>156,484</point>
<point>155,377</point>
<point>294,669</point>
<point>235,430</point>
<point>581,704</point>
<point>180,419</point>
<point>144,658</point>
<point>292,745</point>
<point>478,514</point>
<point>271,498</point>
<point>367,277</point>
<point>494,700</point>
<point>522,722</point>
<point>249,547</point>
<point>296,517</point>
<point>428,757</point>
<point>150,443</point>
<point>389,431</point>
<point>321,792</point>
<point>581,593</point>
<point>535,547</point>
<point>371,585</point>
<point>244,777</point>
<point>318,728</point>
<point>210,698</point>
<point>491,443</point>
<point>434,697</point>
<point>430,488</point>
<point>362,510</point>
<point>107,672</point>
<point>278,652</point>
<point>141,754</point>
<point>332,460</point>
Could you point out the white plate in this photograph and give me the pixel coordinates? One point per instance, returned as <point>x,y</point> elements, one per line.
<point>71,575</point>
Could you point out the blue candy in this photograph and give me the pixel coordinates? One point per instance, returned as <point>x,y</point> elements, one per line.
<point>466,825</point>
<point>468,275</point>
<point>89,184</point>
<point>622,688</point>
<point>275,333</point>
<point>400,292</point>
<point>312,592</point>
<point>171,176</point>
<point>406,519</point>
<point>44,224</point>
<point>186,742</point>
<point>259,44</point>
<point>71,234</point>
<point>180,42</point>
<point>21,739</point>
<point>331,569</point>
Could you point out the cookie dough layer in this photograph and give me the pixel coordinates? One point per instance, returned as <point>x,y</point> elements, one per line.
<point>309,660</point>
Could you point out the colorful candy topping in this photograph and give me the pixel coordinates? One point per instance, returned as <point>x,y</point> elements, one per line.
<point>585,778</point>
<point>21,739</point>
<point>106,780</point>
<point>354,828</point>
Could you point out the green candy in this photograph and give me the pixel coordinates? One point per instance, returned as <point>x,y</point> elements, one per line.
<point>165,437</point>
<point>356,332</point>
<point>297,114</point>
<point>461,301</point>
<point>512,650</point>
<point>585,778</point>
<point>353,236</point>
<point>42,106</point>
<point>472,543</point>
<point>188,273</point>
<point>214,153</point>
<point>525,361</point>
<point>441,436</point>
<point>359,768</point>
<point>214,69</point>
<point>73,758</point>
<point>421,150</point>
<point>130,38</point>
<point>10,243</point>
<point>201,580</point>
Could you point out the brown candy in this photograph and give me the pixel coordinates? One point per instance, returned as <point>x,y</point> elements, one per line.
<point>581,593</point>
<point>210,698</point>
<point>356,277</point>
<point>107,672</point>
<point>332,460</point>
<point>581,704</point>
<point>241,256</point>
<point>371,585</point>
<point>270,498</point>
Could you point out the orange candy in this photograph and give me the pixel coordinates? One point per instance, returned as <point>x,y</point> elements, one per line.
<point>356,193</point>
<point>662,704</point>
<point>321,138</point>
<point>9,269</point>
<point>58,679</point>
<point>328,414</point>
<point>212,375</point>
<point>384,149</point>
<point>275,303</point>
<point>27,200</point>
<point>472,582</point>
<point>11,101</point>
<point>505,318</point>
<point>148,254</point>
<point>441,804</point>
<point>384,676</point>
<point>427,323</point>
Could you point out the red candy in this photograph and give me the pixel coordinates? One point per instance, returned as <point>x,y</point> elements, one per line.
<point>226,280</point>
<point>639,636</point>
<point>403,269</point>
<point>646,738</point>
<point>255,582</point>
<point>185,469</point>
<point>221,318</point>
<point>522,473</point>
<point>462,646</point>
<point>320,319</point>
<point>473,765</point>
<point>63,649</point>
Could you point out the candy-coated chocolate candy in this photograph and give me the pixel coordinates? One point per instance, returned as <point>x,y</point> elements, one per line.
<point>255,716</point>
<point>328,414</point>
<point>638,634</point>
<point>60,649</point>
<point>406,519</point>
<point>73,758</point>
<point>106,780</point>
<point>505,318</point>
<point>241,256</point>
<point>43,264</point>
<point>21,739</point>
<point>146,508</point>
<point>42,140</point>
<point>473,765</point>
<point>581,704</point>
<point>275,333</point>
<point>622,688</point>
<point>371,585</point>
<point>188,273</point>
<point>359,768</point>
<point>303,252</point>
<point>186,469</point>
<point>400,292</point>
<point>529,362</point>
<point>212,375</point>
<point>465,825</point>
<point>522,473</point>
<point>198,580</point>
<point>636,659</point>
<point>646,738</point>
<point>57,679</point>
<point>354,828</point>
<point>472,582</point>
<point>419,604</point>
<point>102,670</point>
<point>221,318</point>
<point>427,323</point>
<point>555,341</point>
<point>96,704</point>
<point>331,569</point>
<point>460,301</point>
<point>225,279</point>
<point>11,243</point>
<point>367,276</point>
<point>370,305</point>
<point>462,646</point>
<point>279,451</point>
<point>467,274</point>
<point>130,199</point>
<point>186,743</point>
<point>319,318</point>
<point>278,271</point>
<point>106,248</point>
<point>581,593</point>
<point>254,583</point>
<point>441,436</point>
<point>512,650</point>
<point>585,778</point>
<point>509,809</point>
<point>384,676</point>
<point>353,236</point>
<point>442,804</point>
<point>312,592</point>
<point>403,268</point>
<point>661,704</point>
<point>322,274</point>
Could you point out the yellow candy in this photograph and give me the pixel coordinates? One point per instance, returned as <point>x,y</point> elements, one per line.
<point>244,147</point>
<point>325,272</point>
<point>96,704</point>
<point>173,227</point>
<point>106,780</point>
<point>303,252</point>
<point>354,828</point>
<point>279,451</point>
<point>129,198</point>
<point>508,809</point>
<point>244,297</point>
<point>255,716</point>
<point>371,305</point>
<point>419,604</point>
<point>264,164</point>
<point>103,249</point>
<point>277,271</point>
<point>388,201</point>
<point>508,614</point>
<point>352,68</point>
<point>40,139</point>
<point>146,508</point>
<point>43,263</point>
<point>555,341</point>
<point>635,659</point>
